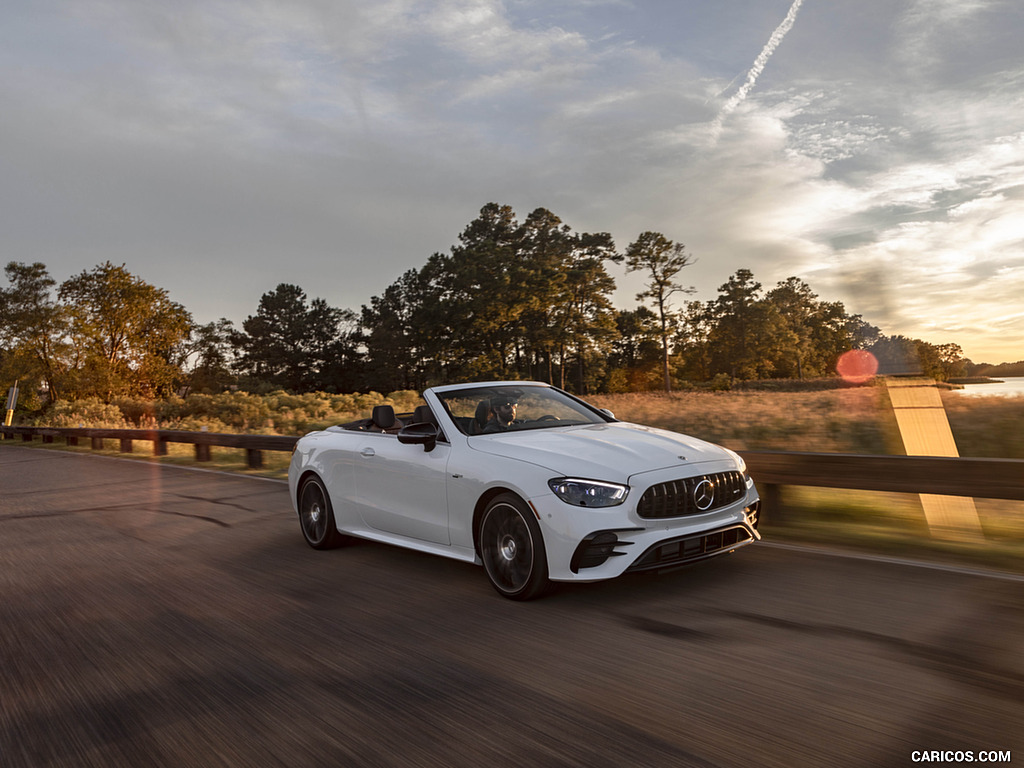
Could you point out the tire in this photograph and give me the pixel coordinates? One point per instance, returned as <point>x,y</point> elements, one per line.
<point>316,516</point>
<point>512,549</point>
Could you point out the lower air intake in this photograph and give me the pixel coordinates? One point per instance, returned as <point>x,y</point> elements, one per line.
<point>675,552</point>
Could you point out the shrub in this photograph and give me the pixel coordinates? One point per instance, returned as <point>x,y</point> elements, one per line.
<point>88,412</point>
<point>721,383</point>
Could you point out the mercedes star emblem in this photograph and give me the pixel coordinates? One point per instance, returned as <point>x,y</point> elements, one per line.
<point>704,495</point>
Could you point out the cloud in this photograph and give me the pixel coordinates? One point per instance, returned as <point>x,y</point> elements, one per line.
<point>755,71</point>
<point>335,144</point>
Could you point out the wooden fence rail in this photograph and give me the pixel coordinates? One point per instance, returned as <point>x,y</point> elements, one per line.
<point>254,445</point>
<point>977,478</point>
<point>938,475</point>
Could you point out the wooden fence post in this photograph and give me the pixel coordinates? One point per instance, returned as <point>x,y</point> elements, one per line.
<point>771,504</point>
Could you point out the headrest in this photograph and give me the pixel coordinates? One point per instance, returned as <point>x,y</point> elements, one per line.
<point>423,415</point>
<point>383,416</point>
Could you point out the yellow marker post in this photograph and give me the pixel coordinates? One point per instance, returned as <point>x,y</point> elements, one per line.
<point>12,402</point>
<point>925,430</point>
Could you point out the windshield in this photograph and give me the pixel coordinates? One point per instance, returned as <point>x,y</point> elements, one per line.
<point>493,410</point>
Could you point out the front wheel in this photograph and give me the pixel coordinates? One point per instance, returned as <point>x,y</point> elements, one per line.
<point>512,549</point>
<point>316,517</point>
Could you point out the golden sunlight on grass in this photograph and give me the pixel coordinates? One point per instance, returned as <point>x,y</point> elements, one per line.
<point>834,421</point>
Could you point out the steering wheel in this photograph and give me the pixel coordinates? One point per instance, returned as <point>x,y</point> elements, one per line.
<point>548,417</point>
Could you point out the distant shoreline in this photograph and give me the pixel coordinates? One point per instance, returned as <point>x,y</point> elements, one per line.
<point>976,380</point>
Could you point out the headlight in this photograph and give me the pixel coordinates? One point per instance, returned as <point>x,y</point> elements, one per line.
<point>741,465</point>
<point>588,493</point>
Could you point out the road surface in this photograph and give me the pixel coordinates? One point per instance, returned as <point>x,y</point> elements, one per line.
<point>157,616</point>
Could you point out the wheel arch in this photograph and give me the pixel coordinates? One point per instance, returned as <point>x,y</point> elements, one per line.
<point>303,478</point>
<point>478,511</point>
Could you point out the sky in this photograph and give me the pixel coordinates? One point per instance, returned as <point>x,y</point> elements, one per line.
<point>217,148</point>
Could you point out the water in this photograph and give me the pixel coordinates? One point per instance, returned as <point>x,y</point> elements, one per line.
<point>1009,386</point>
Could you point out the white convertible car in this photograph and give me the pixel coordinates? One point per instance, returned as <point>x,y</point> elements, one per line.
<point>527,480</point>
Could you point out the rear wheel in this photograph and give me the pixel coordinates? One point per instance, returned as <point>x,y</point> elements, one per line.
<point>512,549</point>
<point>316,517</point>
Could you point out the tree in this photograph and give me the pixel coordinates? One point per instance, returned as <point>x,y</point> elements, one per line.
<point>290,343</point>
<point>481,289</point>
<point>835,332</point>
<point>509,300</point>
<point>952,362</point>
<point>590,319</point>
<point>737,340</point>
<point>127,333</point>
<point>566,296</point>
<point>635,360</point>
<point>331,348</point>
<point>393,329</point>
<point>662,259</point>
<point>209,357</point>
<point>546,249</point>
<point>793,308</point>
<point>898,355</point>
<point>33,327</point>
<point>693,340</point>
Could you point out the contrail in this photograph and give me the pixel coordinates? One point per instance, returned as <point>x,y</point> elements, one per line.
<point>755,71</point>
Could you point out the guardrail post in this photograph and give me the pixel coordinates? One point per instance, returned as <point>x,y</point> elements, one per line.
<point>202,452</point>
<point>97,443</point>
<point>26,437</point>
<point>126,445</point>
<point>159,446</point>
<point>254,458</point>
<point>71,439</point>
<point>47,438</point>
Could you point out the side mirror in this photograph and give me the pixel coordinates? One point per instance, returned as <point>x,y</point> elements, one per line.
<point>424,434</point>
<point>607,413</point>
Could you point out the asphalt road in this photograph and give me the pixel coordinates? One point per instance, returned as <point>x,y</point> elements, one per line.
<point>155,616</point>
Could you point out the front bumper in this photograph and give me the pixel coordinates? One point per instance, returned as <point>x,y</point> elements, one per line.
<point>675,553</point>
<point>596,544</point>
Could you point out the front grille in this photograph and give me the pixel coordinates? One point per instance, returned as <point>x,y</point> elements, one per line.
<point>676,552</point>
<point>692,495</point>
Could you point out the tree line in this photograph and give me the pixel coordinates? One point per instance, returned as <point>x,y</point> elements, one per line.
<point>512,299</point>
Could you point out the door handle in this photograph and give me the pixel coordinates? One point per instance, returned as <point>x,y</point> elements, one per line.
<point>367,452</point>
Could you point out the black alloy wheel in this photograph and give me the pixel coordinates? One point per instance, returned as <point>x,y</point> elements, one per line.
<point>316,517</point>
<point>512,549</point>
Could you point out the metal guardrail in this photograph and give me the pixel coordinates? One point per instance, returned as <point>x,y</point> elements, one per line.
<point>977,478</point>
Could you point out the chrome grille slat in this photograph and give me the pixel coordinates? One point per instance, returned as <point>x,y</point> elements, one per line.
<point>674,498</point>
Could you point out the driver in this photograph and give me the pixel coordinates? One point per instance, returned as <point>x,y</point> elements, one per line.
<point>503,414</point>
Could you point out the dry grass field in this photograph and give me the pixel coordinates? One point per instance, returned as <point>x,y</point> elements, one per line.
<point>857,420</point>
<point>833,421</point>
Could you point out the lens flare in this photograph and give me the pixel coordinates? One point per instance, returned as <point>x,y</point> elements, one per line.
<point>857,366</point>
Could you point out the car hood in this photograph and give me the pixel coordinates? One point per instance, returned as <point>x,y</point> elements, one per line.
<point>612,452</point>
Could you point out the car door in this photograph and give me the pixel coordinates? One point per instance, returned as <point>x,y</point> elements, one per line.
<point>402,489</point>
